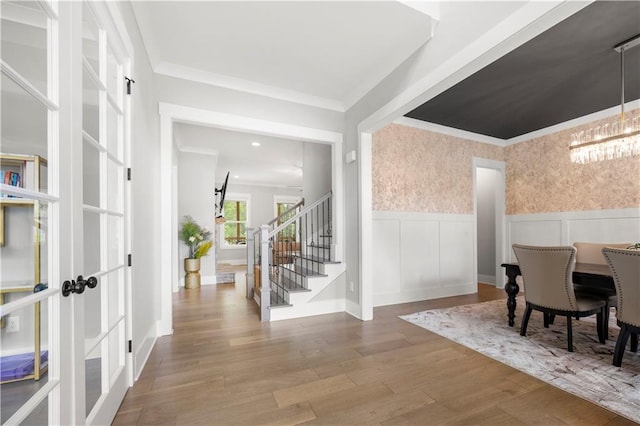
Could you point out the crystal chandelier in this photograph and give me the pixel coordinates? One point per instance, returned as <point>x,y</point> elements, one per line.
<point>608,141</point>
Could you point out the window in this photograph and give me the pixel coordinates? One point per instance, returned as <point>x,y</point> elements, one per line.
<point>282,204</point>
<point>289,231</point>
<point>236,214</point>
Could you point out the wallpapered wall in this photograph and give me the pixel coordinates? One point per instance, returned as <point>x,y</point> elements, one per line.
<point>421,171</point>
<point>541,178</point>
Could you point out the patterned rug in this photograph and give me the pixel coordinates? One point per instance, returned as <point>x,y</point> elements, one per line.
<point>587,372</point>
<point>225,277</point>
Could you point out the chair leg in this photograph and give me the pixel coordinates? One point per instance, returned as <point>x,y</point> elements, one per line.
<point>621,343</point>
<point>525,320</point>
<point>600,325</point>
<point>552,318</point>
<point>607,312</point>
<point>569,334</point>
<point>634,343</point>
<point>545,320</point>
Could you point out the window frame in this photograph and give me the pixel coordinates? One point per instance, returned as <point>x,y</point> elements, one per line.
<point>286,199</point>
<point>234,197</point>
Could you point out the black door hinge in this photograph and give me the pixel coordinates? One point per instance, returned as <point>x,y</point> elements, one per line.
<point>129,173</point>
<point>129,259</point>
<point>129,81</point>
<point>130,346</point>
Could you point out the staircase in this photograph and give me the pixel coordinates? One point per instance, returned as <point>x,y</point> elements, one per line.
<point>295,259</point>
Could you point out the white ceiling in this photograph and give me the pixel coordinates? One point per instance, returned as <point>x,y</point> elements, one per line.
<point>276,162</point>
<point>327,54</point>
<point>321,53</point>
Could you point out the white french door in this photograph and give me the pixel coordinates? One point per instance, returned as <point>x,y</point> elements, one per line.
<point>62,214</point>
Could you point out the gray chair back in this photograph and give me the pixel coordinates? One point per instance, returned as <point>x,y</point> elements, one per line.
<point>547,273</point>
<point>625,265</point>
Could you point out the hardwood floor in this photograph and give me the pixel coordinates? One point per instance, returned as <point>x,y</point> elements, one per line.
<point>222,366</point>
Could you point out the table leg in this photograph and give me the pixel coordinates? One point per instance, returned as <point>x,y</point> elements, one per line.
<point>512,289</point>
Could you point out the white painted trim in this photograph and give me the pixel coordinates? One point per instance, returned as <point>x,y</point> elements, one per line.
<point>167,244</point>
<point>170,113</point>
<point>247,86</point>
<point>245,124</point>
<point>463,134</point>
<point>450,131</point>
<point>365,188</point>
<point>487,279</point>
<point>352,308</point>
<point>308,309</point>
<point>500,212</point>
<point>586,119</point>
<point>631,212</point>
<point>527,22</point>
<point>144,351</point>
<point>203,151</point>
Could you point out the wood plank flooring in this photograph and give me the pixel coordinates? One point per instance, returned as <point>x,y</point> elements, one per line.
<point>223,367</point>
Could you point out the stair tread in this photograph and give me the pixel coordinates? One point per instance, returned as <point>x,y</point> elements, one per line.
<point>302,271</point>
<point>288,284</point>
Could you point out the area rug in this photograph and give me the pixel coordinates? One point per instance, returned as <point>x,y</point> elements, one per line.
<point>587,372</point>
<point>225,277</point>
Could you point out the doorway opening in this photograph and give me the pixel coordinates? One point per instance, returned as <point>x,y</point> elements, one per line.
<point>489,208</point>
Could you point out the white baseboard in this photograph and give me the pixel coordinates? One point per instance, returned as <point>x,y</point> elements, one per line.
<point>423,294</point>
<point>353,309</point>
<point>487,279</point>
<point>308,310</point>
<point>141,355</point>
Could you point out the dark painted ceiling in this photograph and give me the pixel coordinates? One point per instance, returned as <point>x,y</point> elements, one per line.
<point>569,71</point>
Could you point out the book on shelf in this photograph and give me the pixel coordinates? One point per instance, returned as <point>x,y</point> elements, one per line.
<point>11,178</point>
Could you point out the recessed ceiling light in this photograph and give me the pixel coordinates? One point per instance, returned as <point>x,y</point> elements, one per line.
<point>255,143</point>
<point>236,176</point>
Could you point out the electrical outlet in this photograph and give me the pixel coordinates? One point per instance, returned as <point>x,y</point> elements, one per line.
<point>351,286</point>
<point>13,324</point>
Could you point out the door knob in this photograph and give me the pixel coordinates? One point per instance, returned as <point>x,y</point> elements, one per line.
<point>69,287</point>
<point>78,285</point>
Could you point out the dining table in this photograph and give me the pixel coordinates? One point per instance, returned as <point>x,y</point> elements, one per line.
<point>597,276</point>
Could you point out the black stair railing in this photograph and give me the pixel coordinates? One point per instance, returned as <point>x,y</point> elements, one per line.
<point>278,262</point>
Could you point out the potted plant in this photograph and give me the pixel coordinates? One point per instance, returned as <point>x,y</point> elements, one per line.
<point>197,239</point>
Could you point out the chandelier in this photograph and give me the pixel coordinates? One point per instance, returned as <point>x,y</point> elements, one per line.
<point>613,140</point>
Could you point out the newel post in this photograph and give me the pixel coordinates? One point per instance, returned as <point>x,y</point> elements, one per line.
<point>250,262</point>
<point>265,293</point>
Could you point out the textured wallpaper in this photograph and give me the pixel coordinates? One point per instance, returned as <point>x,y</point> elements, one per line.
<point>541,178</point>
<point>421,171</point>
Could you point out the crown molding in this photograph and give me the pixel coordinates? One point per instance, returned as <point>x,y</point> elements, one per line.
<point>233,83</point>
<point>450,131</point>
<point>476,137</point>
<point>585,119</point>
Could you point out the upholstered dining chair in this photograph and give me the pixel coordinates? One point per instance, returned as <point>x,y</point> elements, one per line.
<point>625,265</point>
<point>592,253</point>
<point>547,273</point>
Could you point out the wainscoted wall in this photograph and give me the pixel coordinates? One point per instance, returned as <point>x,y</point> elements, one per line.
<point>423,219</point>
<point>420,256</point>
<point>541,179</point>
<point>415,170</point>
<point>565,228</point>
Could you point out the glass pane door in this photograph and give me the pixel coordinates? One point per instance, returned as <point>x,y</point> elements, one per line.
<point>29,289</point>
<point>103,216</point>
